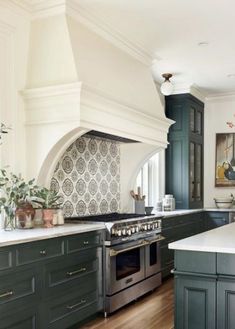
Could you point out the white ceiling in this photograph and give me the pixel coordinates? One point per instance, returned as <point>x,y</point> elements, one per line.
<point>170,30</point>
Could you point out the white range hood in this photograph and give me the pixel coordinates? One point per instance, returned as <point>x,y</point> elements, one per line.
<point>78,81</point>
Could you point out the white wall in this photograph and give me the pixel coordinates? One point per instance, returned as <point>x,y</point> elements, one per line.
<point>218,110</point>
<point>14,36</point>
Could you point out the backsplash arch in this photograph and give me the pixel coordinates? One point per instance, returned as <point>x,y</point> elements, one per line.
<point>87,177</point>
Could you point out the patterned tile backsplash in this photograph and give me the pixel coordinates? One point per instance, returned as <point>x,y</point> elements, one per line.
<point>87,177</point>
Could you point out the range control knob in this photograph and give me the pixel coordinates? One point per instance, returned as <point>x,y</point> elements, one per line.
<point>128,231</point>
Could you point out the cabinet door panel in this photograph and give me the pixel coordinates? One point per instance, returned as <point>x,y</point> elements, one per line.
<point>6,257</point>
<point>216,219</point>
<point>225,304</point>
<point>25,319</point>
<point>184,155</point>
<point>37,251</point>
<point>195,303</point>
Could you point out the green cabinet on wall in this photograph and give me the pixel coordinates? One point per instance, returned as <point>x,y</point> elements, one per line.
<point>184,155</point>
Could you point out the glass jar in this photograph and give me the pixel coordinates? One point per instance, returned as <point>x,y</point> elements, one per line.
<point>24,216</point>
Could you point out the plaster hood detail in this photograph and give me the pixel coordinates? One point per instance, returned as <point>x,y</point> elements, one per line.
<point>78,81</point>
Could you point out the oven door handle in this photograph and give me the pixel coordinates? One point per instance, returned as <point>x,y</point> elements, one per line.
<point>114,252</point>
<point>155,240</point>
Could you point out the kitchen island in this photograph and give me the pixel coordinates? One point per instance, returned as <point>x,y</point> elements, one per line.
<point>205,280</point>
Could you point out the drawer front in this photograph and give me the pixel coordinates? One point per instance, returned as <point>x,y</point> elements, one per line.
<point>218,215</point>
<point>168,222</point>
<point>6,258</point>
<point>37,251</point>
<point>72,307</point>
<point>84,241</point>
<point>25,319</point>
<point>18,287</point>
<point>225,264</point>
<point>194,261</point>
<point>68,274</point>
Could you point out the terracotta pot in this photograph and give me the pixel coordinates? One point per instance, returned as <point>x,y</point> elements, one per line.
<point>47,216</point>
<point>24,216</point>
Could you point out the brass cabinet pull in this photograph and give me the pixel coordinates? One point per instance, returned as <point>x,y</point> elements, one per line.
<point>83,269</point>
<point>6,294</point>
<point>43,252</point>
<point>71,307</point>
<point>85,242</point>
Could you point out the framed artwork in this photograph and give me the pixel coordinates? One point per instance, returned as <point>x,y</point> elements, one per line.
<point>225,160</point>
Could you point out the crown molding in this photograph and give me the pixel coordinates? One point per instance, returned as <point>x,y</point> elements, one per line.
<point>39,8</point>
<point>108,32</point>
<point>43,8</point>
<point>220,96</point>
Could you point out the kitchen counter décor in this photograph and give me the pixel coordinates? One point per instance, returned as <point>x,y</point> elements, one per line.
<point>205,279</point>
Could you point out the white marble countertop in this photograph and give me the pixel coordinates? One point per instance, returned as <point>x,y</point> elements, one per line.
<point>178,212</point>
<point>221,240</point>
<point>21,236</point>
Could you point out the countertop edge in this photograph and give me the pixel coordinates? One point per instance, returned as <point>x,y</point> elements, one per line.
<point>14,236</point>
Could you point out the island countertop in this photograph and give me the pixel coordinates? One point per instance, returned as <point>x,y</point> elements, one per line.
<point>18,236</point>
<point>220,240</point>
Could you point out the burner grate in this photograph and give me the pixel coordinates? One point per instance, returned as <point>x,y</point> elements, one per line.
<point>111,217</point>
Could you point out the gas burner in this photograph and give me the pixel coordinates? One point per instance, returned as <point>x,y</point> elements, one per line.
<point>110,217</point>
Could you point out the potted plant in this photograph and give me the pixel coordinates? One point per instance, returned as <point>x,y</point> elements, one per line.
<point>48,199</point>
<point>17,197</point>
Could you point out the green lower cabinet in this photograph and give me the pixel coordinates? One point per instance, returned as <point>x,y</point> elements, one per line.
<point>66,310</point>
<point>23,319</point>
<point>195,302</point>
<point>216,219</point>
<point>51,284</point>
<point>226,303</point>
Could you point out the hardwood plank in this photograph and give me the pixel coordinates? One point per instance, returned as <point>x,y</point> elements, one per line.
<point>153,311</point>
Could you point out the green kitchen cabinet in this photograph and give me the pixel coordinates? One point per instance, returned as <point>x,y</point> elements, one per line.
<point>176,228</point>
<point>226,302</point>
<point>22,318</point>
<point>56,282</point>
<point>204,290</point>
<point>184,155</point>
<point>195,303</point>
<point>216,219</point>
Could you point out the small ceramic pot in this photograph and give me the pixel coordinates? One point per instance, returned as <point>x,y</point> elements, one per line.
<point>47,216</point>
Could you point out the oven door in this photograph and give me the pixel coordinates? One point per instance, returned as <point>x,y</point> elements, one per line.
<point>125,265</point>
<point>153,256</point>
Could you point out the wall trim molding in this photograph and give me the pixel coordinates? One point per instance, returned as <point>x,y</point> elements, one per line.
<point>83,104</point>
<point>49,105</point>
<point>108,32</point>
<point>43,8</point>
<point>220,96</point>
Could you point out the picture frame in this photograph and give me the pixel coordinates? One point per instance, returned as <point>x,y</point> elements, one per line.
<point>225,160</point>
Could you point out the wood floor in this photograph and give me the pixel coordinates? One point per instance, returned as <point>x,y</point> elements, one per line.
<point>153,311</point>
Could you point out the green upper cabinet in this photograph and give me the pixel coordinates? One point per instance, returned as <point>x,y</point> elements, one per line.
<point>184,155</point>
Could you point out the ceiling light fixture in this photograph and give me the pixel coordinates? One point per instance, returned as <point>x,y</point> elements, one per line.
<point>203,43</point>
<point>167,87</point>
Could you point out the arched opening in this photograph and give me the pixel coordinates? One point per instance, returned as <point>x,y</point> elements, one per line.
<point>151,178</point>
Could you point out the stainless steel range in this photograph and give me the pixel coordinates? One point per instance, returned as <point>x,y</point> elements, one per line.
<point>132,256</point>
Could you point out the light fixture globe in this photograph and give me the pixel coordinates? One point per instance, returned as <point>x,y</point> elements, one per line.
<point>167,87</point>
